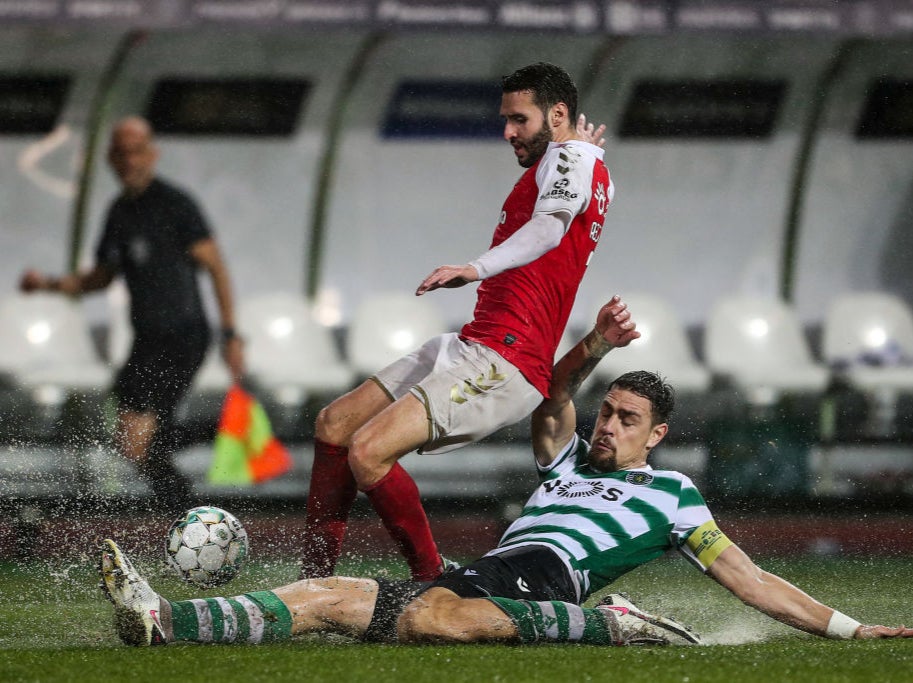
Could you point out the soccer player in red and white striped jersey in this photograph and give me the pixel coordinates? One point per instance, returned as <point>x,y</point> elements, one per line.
<point>459,388</point>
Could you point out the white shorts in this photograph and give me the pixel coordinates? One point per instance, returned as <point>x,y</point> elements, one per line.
<point>468,390</point>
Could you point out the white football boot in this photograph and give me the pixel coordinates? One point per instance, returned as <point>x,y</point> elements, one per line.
<point>136,606</point>
<point>630,625</point>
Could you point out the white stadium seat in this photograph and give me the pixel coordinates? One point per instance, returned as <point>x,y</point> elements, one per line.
<point>868,340</point>
<point>286,351</point>
<point>120,331</point>
<point>869,337</point>
<point>45,341</point>
<point>758,344</point>
<point>213,376</point>
<point>388,325</point>
<point>663,347</point>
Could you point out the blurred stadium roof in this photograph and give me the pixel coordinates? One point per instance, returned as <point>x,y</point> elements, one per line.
<point>619,17</point>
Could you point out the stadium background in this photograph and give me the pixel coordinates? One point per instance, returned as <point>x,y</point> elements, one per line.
<point>344,149</point>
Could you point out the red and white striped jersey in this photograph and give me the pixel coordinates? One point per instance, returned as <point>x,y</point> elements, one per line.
<point>521,313</point>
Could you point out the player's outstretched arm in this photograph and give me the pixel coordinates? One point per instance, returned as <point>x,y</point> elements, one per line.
<point>98,277</point>
<point>540,234</point>
<point>447,276</point>
<point>555,419</point>
<point>781,600</point>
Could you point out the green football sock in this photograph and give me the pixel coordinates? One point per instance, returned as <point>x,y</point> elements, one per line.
<point>557,622</point>
<point>249,618</point>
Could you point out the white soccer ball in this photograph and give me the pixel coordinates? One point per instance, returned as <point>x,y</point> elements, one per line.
<point>206,546</point>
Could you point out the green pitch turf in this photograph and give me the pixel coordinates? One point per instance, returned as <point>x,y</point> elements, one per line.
<point>55,626</point>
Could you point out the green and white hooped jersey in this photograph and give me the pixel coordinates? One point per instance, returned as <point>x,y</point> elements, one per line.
<point>604,524</point>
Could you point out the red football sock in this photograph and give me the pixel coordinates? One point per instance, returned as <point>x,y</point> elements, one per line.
<point>395,498</point>
<point>330,498</point>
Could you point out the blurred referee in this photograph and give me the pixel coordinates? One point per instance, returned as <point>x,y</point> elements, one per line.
<point>156,237</point>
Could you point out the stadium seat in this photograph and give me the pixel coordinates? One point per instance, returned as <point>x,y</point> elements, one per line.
<point>120,332</point>
<point>45,341</point>
<point>868,340</point>
<point>868,337</point>
<point>388,325</point>
<point>287,352</point>
<point>213,376</point>
<point>758,344</point>
<point>53,379</point>
<point>663,347</point>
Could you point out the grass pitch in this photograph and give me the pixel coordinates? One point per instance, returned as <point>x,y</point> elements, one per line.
<point>56,626</point>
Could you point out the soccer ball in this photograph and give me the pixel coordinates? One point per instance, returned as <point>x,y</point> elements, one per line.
<point>206,546</point>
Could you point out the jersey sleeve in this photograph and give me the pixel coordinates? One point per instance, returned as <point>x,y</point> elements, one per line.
<point>565,180</point>
<point>567,455</point>
<point>193,223</point>
<point>695,533</point>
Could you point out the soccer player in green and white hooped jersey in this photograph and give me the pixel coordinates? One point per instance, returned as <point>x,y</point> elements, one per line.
<point>604,524</point>
<point>599,511</point>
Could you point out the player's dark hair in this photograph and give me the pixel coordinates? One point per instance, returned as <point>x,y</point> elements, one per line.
<point>652,387</point>
<point>548,83</point>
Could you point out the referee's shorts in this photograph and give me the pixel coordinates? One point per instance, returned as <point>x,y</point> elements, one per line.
<point>160,369</point>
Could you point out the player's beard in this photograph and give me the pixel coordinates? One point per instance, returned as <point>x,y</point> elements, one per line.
<point>535,147</point>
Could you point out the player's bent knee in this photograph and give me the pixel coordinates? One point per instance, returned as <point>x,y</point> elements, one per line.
<point>419,624</point>
<point>330,425</point>
<point>366,467</point>
<point>433,621</point>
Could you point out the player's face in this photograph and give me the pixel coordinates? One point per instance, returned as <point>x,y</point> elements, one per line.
<point>525,127</point>
<point>132,156</point>
<point>624,432</point>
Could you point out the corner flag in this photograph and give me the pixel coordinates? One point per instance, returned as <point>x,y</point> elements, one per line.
<point>245,451</point>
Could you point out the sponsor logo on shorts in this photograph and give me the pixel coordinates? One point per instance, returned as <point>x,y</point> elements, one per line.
<point>462,392</point>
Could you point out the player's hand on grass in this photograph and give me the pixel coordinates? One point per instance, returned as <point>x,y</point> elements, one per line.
<point>615,324</point>
<point>448,276</point>
<point>866,632</point>
<point>588,133</point>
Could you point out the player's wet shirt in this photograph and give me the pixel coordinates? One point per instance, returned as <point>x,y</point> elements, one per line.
<point>604,524</point>
<point>521,313</point>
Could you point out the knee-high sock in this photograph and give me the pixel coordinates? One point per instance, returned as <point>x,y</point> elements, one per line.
<point>557,622</point>
<point>249,618</point>
<point>330,498</point>
<point>396,499</point>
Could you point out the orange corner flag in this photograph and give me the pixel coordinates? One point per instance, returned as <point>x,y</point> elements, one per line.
<point>246,451</point>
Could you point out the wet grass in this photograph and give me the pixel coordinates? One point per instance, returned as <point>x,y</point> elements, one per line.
<point>55,626</point>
